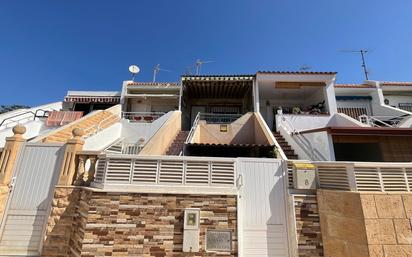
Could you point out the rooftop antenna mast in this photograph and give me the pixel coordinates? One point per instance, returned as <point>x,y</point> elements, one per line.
<point>156,70</point>
<point>199,64</point>
<point>362,52</point>
<point>133,69</point>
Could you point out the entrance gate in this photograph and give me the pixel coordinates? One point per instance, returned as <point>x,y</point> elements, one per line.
<point>35,175</point>
<point>262,208</point>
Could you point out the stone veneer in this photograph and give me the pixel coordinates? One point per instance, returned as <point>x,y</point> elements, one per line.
<point>366,224</point>
<point>308,230</point>
<point>133,224</point>
<point>60,225</point>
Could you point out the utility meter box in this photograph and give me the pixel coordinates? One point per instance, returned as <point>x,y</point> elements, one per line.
<point>191,229</point>
<point>304,176</point>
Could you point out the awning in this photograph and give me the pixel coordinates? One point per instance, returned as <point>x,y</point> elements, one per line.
<point>352,97</point>
<point>93,99</point>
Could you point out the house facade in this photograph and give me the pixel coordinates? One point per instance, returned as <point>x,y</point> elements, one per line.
<point>266,164</point>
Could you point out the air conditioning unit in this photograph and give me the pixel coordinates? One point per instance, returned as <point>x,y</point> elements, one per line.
<point>304,176</point>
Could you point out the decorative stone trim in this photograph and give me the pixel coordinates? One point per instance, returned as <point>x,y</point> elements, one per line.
<point>308,230</point>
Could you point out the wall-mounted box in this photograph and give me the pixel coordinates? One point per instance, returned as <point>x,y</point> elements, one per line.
<point>218,240</point>
<point>191,229</point>
<point>304,176</point>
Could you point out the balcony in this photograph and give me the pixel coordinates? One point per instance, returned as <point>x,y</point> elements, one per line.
<point>144,117</point>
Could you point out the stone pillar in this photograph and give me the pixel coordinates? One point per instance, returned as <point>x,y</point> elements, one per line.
<point>9,154</point>
<point>69,166</point>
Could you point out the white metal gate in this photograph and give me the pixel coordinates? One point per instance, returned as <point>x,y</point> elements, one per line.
<point>262,208</point>
<point>28,206</point>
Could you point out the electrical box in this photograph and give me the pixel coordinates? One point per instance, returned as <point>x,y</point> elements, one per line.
<point>304,176</point>
<point>191,229</point>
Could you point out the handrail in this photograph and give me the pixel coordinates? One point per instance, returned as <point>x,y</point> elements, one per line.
<point>386,121</point>
<point>35,115</point>
<point>192,130</point>
<point>297,133</point>
<point>94,129</point>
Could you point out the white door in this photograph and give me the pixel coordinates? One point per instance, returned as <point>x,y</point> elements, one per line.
<point>262,208</point>
<point>28,206</point>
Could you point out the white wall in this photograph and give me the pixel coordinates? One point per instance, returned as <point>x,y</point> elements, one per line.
<point>379,108</point>
<point>395,99</point>
<point>312,146</point>
<point>133,131</point>
<point>129,132</point>
<point>104,138</point>
<point>303,122</point>
<point>152,105</point>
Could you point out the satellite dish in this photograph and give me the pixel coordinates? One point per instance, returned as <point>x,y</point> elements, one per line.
<point>134,69</point>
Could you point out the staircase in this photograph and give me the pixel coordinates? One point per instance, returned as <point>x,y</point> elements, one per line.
<point>287,149</point>
<point>176,148</point>
<point>91,124</point>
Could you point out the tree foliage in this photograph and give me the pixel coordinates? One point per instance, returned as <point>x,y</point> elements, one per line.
<point>12,107</point>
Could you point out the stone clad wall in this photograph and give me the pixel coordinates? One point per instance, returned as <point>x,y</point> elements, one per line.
<point>308,230</point>
<point>366,224</point>
<point>388,226</point>
<point>60,223</point>
<point>342,224</point>
<point>134,224</point>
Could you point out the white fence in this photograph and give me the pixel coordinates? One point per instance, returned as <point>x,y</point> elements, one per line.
<point>165,170</point>
<point>361,176</point>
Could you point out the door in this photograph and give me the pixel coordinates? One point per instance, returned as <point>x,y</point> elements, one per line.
<point>36,173</point>
<point>262,208</point>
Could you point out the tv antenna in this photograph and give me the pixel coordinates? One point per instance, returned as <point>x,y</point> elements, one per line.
<point>134,70</point>
<point>305,67</point>
<point>199,64</point>
<point>362,53</point>
<point>156,70</point>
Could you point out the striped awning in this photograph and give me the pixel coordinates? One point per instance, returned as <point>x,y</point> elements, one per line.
<point>93,99</point>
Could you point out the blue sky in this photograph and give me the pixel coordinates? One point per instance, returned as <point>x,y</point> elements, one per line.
<point>49,47</point>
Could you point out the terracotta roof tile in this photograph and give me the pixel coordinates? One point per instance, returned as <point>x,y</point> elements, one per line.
<point>353,86</point>
<point>151,84</point>
<point>393,83</point>
<point>300,72</point>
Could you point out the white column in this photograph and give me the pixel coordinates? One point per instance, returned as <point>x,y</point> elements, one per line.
<point>256,95</point>
<point>330,97</point>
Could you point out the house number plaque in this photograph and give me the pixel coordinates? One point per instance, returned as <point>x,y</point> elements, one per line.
<point>219,240</point>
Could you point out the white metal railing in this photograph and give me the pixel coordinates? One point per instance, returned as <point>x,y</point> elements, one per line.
<point>165,170</point>
<point>219,118</point>
<point>23,117</point>
<point>214,118</point>
<point>293,131</point>
<point>193,129</point>
<point>147,117</point>
<point>382,121</point>
<point>96,128</point>
<point>361,176</point>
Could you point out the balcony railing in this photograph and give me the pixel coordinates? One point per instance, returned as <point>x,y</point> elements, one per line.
<point>219,118</point>
<point>115,170</point>
<point>361,176</point>
<point>147,117</point>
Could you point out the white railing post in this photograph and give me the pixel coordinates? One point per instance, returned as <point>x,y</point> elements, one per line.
<point>184,172</point>
<point>378,170</point>
<point>159,164</point>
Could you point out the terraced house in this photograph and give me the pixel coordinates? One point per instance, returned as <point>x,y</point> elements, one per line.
<point>267,164</point>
